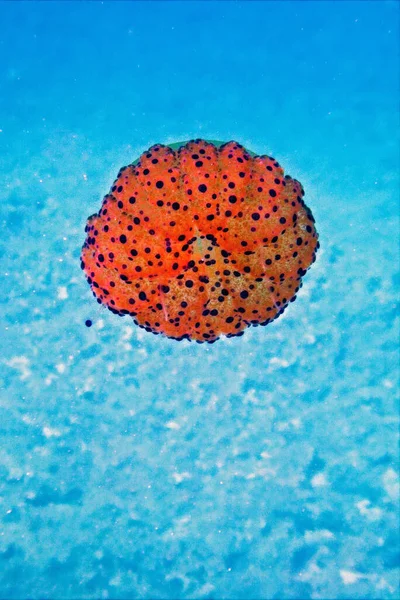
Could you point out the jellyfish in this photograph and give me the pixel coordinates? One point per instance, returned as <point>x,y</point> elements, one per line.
<point>200,239</point>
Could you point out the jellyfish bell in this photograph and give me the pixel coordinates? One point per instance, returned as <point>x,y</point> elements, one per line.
<point>200,239</point>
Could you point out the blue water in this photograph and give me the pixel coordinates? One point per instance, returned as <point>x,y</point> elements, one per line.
<point>261,467</point>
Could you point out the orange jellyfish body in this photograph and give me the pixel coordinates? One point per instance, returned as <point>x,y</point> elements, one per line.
<point>199,242</point>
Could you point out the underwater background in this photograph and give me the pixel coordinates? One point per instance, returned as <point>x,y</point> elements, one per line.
<point>260,467</point>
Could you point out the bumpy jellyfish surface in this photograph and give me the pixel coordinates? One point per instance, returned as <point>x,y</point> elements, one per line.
<point>200,239</point>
